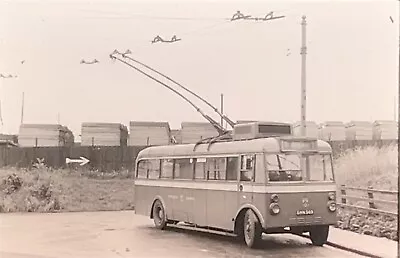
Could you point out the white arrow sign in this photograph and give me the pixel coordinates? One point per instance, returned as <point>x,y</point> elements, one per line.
<point>82,160</point>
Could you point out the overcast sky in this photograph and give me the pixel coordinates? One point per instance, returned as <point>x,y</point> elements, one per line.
<point>351,63</point>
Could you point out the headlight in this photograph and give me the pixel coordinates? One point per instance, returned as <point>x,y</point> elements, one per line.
<point>331,196</point>
<point>274,208</point>
<point>274,198</point>
<point>332,206</point>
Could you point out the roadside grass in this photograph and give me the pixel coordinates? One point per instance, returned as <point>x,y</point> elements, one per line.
<point>369,167</point>
<point>46,190</point>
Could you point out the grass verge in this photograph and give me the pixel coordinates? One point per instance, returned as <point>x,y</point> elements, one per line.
<point>44,190</point>
<point>369,167</point>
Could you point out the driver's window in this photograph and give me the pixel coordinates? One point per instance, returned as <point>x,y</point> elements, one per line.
<point>247,164</point>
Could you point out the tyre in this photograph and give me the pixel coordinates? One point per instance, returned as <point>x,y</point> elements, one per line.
<point>252,229</point>
<point>159,215</point>
<point>319,235</point>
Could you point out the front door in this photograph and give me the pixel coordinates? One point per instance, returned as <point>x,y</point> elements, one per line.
<point>246,179</point>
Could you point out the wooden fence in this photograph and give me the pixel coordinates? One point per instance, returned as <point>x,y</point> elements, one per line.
<point>368,199</point>
<point>102,158</point>
<point>107,158</point>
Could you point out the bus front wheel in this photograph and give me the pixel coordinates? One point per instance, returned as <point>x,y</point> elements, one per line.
<point>319,235</point>
<point>252,230</point>
<point>159,216</point>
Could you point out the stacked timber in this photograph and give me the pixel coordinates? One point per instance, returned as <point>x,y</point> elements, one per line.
<point>45,135</point>
<point>311,129</point>
<point>104,134</point>
<point>358,130</point>
<point>332,131</point>
<point>193,132</point>
<point>143,133</point>
<point>384,130</point>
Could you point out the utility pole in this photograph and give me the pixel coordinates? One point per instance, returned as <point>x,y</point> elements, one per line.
<point>1,117</point>
<point>398,143</point>
<point>22,107</point>
<point>303,76</point>
<point>222,109</point>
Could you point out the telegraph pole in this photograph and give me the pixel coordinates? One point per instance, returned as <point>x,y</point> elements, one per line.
<point>222,109</point>
<point>303,76</point>
<point>398,143</point>
<point>22,107</point>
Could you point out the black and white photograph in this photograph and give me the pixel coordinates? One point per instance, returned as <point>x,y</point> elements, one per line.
<point>199,128</point>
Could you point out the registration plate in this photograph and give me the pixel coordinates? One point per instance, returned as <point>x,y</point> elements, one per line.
<point>304,212</point>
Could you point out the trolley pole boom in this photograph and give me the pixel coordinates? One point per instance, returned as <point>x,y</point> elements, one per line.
<point>216,125</point>
<point>224,117</point>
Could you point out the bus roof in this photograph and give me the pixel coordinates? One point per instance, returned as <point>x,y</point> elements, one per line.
<point>221,148</point>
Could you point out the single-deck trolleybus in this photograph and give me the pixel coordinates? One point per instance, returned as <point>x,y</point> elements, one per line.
<point>262,180</point>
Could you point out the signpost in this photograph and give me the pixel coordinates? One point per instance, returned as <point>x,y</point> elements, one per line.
<point>83,161</point>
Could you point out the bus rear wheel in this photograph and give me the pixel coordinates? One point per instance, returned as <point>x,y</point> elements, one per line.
<point>252,229</point>
<point>319,235</point>
<point>159,216</point>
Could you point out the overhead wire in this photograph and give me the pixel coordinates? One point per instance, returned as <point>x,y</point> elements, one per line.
<point>150,17</point>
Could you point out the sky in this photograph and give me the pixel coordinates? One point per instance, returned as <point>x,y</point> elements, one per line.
<point>352,60</point>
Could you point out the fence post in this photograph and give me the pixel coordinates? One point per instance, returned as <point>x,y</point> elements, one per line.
<point>148,139</point>
<point>343,193</point>
<point>371,198</point>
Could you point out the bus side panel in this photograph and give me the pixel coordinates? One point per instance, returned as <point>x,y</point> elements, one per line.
<point>231,208</point>
<point>184,208</point>
<point>144,196</point>
<point>216,215</point>
<point>171,199</point>
<point>200,207</point>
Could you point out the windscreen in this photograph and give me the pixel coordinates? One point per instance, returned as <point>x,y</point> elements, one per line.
<point>287,167</point>
<point>284,167</point>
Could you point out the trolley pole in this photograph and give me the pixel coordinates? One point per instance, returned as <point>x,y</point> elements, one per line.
<point>303,76</point>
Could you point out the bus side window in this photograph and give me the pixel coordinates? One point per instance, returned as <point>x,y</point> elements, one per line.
<point>167,168</point>
<point>200,168</point>
<point>216,168</point>
<point>154,168</point>
<point>183,169</point>
<point>142,169</point>
<point>247,168</point>
<point>232,168</point>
